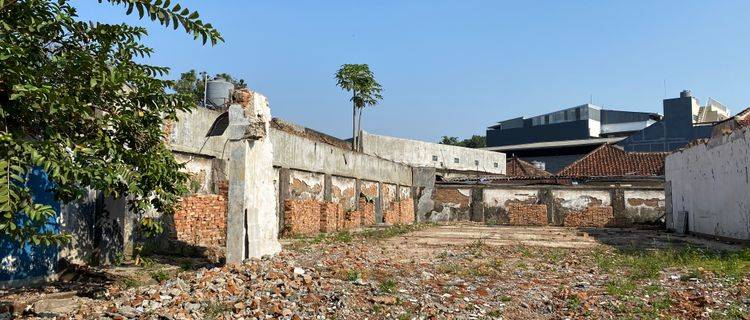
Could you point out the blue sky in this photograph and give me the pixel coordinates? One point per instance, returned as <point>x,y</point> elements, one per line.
<point>456,67</point>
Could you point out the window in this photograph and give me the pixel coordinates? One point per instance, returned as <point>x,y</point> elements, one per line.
<point>455,160</point>
<point>476,162</point>
<point>495,164</point>
<point>434,158</point>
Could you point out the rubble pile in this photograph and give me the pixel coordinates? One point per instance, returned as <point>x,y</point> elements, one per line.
<point>394,278</point>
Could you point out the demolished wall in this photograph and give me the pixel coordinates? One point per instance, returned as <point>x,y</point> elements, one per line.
<point>573,206</point>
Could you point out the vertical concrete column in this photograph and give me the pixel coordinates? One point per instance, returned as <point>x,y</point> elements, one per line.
<point>252,224</point>
<point>617,199</point>
<point>357,193</point>
<point>546,197</point>
<point>477,204</point>
<point>379,204</point>
<point>285,177</point>
<point>327,187</point>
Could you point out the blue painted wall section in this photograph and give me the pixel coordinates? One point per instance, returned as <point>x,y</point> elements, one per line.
<point>25,262</point>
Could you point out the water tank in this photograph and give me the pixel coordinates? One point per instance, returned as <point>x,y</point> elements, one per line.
<point>218,93</point>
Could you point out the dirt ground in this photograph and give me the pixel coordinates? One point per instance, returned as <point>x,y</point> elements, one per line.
<point>456,271</point>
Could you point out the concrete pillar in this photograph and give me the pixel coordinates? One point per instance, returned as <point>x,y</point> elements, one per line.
<point>327,187</point>
<point>477,204</point>
<point>357,193</point>
<point>252,224</point>
<point>285,177</point>
<point>545,197</point>
<point>617,199</point>
<point>379,204</point>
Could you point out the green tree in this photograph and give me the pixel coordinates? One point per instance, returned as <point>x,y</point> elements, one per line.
<point>75,102</point>
<point>192,83</point>
<point>453,141</point>
<point>360,81</point>
<point>474,142</point>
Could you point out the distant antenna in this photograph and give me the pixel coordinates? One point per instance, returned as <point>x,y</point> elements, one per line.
<point>205,87</point>
<point>665,88</point>
<point>591,99</point>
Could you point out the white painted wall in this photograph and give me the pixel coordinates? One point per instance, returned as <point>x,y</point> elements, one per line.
<point>711,182</point>
<point>498,197</point>
<point>420,154</point>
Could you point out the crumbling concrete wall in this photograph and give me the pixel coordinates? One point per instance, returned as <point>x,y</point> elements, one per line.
<point>451,204</point>
<point>711,182</point>
<point>644,206</point>
<point>498,202</point>
<point>434,155</point>
<point>573,206</point>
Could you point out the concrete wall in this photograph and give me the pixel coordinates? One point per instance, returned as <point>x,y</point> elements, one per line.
<point>710,181</point>
<point>426,154</point>
<point>576,206</point>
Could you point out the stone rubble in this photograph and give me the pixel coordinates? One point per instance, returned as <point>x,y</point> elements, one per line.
<point>394,279</point>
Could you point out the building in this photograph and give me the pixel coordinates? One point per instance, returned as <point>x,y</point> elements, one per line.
<point>559,138</point>
<point>684,121</point>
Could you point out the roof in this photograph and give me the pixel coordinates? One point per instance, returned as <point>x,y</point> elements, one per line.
<point>515,167</point>
<point>740,120</point>
<point>611,161</point>
<point>556,144</point>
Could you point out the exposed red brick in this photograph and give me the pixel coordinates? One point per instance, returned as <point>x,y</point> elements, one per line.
<point>594,216</point>
<point>523,214</point>
<point>301,217</point>
<point>201,220</point>
<point>329,213</point>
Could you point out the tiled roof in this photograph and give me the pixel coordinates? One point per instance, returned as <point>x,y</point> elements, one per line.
<point>611,161</point>
<point>516,167</point>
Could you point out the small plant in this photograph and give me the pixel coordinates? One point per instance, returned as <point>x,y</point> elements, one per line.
<point>494,313</point>
<point>343,236</point>
<point>119,258</point>
<point>574,302</point>
<point>387,286</point>
<point>353,275</point>
<point>215,309</point>
<point>131,283</point>
<point>160,276</point>
<point>506,298</point>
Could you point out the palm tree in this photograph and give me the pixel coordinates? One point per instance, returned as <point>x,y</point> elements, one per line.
<point>360,81</point>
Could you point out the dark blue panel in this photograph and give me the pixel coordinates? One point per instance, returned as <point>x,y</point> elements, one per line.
<point>25,261</point>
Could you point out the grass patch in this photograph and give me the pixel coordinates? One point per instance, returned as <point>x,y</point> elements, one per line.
<point>387,286</point>
<point>215,309</point>
<point>131,283</point>
<point>505,298</point>
<point>620,288</point>
<point>160,276</point>
<point>353,275</point>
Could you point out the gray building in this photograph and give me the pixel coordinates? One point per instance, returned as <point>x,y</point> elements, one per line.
<point>559,138</point>
<point>684,121</point>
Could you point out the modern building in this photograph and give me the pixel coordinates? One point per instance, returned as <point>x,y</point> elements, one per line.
<point>560,138</point>
<point>557,139</point>
<point>684,121</point>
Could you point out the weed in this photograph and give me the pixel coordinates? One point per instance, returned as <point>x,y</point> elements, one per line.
<point>574,302</point>
<point>353,275</point>
<point>387,286</point>
<point>215,309</point>
<point>620,288</point>
<point>186,265</point>
<point>160,276</point>
<point>131,283</point>
<point>505,299</point>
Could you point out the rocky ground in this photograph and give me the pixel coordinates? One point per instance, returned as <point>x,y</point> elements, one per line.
<point>439,272</point>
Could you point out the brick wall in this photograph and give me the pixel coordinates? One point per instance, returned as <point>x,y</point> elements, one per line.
<point>595,216</point>
<point>201,220</point>
<point>302,217</point>
<point>523,214</point>
<point>400,212</point>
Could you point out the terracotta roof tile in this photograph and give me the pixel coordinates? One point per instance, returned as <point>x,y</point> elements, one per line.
<point>610,161</point>
<point>515,167</point>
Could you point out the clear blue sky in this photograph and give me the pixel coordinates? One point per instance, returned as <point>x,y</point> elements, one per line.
<point>456,67</point>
